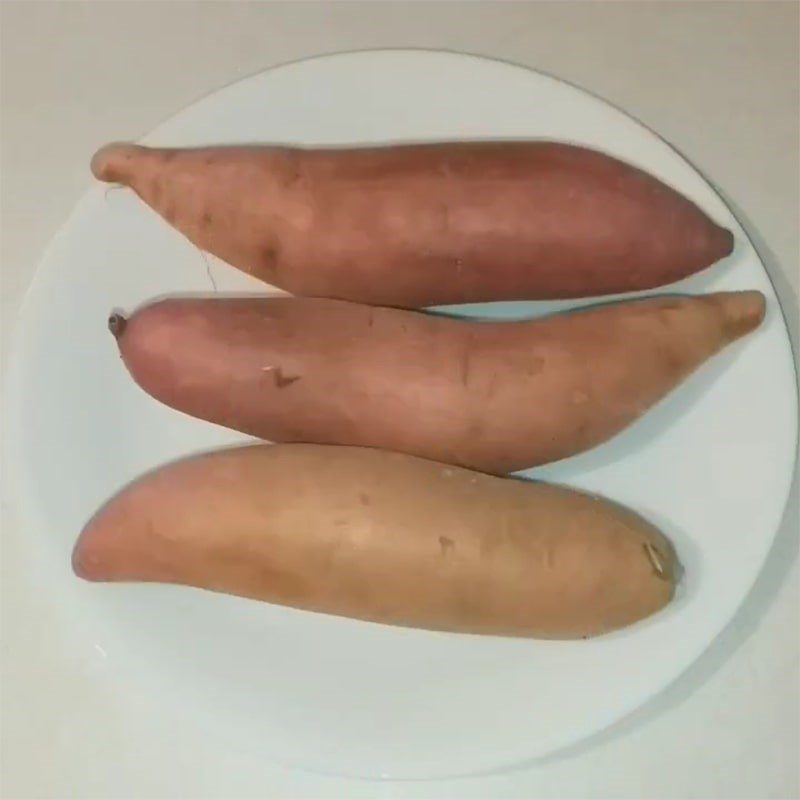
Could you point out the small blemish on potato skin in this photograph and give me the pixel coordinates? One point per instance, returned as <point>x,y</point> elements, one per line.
<point>579,397</point>
<point>654,557</point>
<point>293,177</point>
<point>672,360</point>
<point>446,545</point>
<point>535,366</point>
<point>364,499</point>
<point>270,258</point>
<point>466,363</point>
<point>282,380</point>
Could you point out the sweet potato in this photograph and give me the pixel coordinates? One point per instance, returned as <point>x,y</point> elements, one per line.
<point>386,537</point>
<point>419,225</point>
<point>495,396</point>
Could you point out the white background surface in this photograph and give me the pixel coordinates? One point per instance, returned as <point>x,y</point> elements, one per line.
<point>719,80</point>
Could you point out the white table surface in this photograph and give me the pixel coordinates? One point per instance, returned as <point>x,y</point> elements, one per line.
<point>720,80</point>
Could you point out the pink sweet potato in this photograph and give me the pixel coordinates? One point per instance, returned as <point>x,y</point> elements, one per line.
<point>420,225</point>
<point>495,396</point>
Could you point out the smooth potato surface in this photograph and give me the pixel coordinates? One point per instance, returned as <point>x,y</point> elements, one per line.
<point>384,537</point>
<point>420,225</point>
<point>494,396</point>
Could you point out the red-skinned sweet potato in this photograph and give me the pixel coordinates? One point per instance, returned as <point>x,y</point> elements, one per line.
<point>495,396</point>
<point>421,225</point>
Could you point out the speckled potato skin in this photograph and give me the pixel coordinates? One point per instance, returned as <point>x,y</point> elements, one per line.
<point>431,224</point>
<point>385,537</point>
<point>494,396</point>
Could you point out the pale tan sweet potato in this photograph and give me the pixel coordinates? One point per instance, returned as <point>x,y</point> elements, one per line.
<point>385,537</point>
<point>495,396</point>
<point>428,224</point>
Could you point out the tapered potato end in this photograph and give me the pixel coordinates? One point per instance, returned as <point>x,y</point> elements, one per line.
<point>117,162</point>
<point>131,165</point>
<point>120,542</point>
<point>742,312</point>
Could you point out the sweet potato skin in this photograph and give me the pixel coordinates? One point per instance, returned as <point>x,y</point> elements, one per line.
<point>384,537</point>
<point>494,396</point>
<point>419,225</point>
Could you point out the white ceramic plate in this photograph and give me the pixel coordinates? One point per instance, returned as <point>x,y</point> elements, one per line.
<point>711,465</point>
